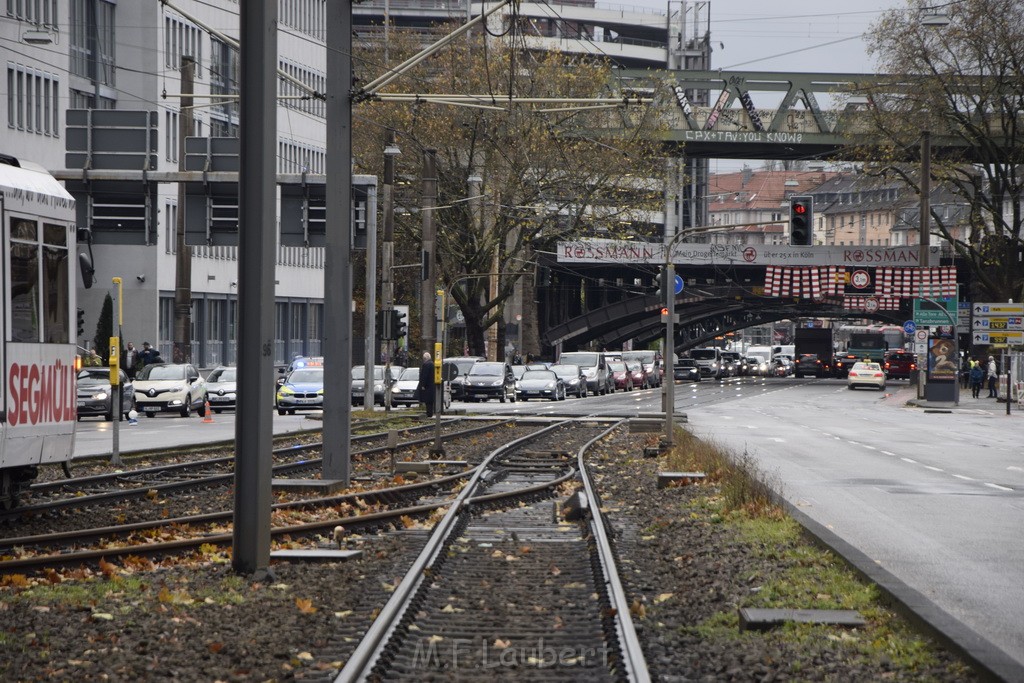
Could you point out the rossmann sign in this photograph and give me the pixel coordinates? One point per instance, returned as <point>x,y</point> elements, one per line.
<point>631,252</point>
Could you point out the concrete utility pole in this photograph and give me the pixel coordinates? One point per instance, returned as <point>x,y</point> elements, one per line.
<point>182,352</point>
<point>387,254</point>
<point>427,257</point>
<point>257,208</point>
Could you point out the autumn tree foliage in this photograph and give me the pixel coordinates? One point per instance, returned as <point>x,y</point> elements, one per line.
<point>965,84</point>
<point>514,176</point>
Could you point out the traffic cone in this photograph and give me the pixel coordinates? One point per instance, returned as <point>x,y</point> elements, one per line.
<point>207,413</point>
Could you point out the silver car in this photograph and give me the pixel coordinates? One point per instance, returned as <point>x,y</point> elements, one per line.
<point>541,384</point>
<point>220,388</point>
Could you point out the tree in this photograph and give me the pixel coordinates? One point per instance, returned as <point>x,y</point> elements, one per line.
<point>104,329</point>
<point>967,88</point>
<point>546,171</point>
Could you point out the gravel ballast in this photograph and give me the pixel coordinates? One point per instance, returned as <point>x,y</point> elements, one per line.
<point>688,566</point>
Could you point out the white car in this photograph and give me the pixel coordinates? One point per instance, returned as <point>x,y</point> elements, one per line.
<point>170,387</point>
<point>866,375</point>
<point>404,389</point>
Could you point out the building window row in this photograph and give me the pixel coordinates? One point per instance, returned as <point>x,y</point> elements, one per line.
<point>295,157</point>
<point>182,39</point>
<point>305,16</point>
<point>288,90</point>
<point>38,12</point>
<point>32,100</point>
<point>224,74</point>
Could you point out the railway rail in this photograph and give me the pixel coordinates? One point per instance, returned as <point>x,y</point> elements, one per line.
<point>508,580</point>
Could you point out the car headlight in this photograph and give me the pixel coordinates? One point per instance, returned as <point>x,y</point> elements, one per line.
<point>497,382</point>
<point>378,387</point>
<point>551,385</point>
<point>320,392</point>
<point>591,373</point>
<point>100,396</point>
<point>286,391</point>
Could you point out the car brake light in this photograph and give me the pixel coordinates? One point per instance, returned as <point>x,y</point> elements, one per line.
<point>878,374</point>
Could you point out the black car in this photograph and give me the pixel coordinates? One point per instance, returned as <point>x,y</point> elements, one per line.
<point>686,370</point>
<point>488,379</point>
<point>463,365</point>
<point>95,395</point>
<point>810,364</point>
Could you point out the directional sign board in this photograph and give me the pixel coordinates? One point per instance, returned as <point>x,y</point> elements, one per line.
<point>1014,338</point>
<point>989,310</point>
<point>935,311</point>
<point>993,324</point>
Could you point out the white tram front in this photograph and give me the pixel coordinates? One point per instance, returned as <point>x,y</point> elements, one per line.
<point>38,411</point>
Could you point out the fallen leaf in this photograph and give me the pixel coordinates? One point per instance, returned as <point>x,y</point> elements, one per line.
<point>638,610</point>
<point>662,598</point>
<point>435,639</point>
<point>305,606</point>
<point>502,644</point>
<point>215,647</point>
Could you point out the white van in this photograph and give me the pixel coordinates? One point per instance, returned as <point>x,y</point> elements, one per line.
<point>709,361</point>
<point>594,366</point>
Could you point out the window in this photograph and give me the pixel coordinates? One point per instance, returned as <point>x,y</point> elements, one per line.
<point>92,40</point>
<point>40,307</point>
<point>32,100</point>
<point>223,81</point>
<point>182,39</point>
<point>171,135</point>
<point>38,12</point>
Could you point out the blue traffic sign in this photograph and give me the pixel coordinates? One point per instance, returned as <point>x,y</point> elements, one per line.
<point>910,327</point>
<point>679,284</point>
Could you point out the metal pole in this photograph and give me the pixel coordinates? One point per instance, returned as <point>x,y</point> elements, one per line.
<point>182,343</point>
<point>428,254</point>
<point>926,189</point>
<point>387,254</point>
<point>257,180</point>
<point>438,450</point>
<point>337,268</point>
<point>115,377</point>
<point>370,342</point>
<point>670,333</point>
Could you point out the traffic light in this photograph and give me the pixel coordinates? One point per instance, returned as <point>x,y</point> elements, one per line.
<point>659,281</point>
<point>81,323</point>
<point>398,327</point>
<point>664,315</point>
<point>801,221</point>
<point>382,322</point>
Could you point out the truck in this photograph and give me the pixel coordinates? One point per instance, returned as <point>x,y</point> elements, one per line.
<point>816,342</point>
<point>863,346</point>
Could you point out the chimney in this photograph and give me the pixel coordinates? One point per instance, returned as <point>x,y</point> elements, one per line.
<point>747,174</point>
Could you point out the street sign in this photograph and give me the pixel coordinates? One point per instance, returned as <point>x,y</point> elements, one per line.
<point>992,324</point>
<point>921,348</point>
<point>963,317</point>
<point>935,311</point>
<point>1015,338</point>
<point>910,327</point>
<point>679,284</point>
<point>921,336</point>
<point>987,310</point>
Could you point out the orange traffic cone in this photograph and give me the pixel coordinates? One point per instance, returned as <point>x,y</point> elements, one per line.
<point>207,413</point>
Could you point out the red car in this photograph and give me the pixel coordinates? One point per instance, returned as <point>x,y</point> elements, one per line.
<point>900,364</point>
<point>621,376</point>
<point>639,375</point>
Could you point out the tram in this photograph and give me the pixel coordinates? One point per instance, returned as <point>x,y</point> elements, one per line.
<point>37,354</point>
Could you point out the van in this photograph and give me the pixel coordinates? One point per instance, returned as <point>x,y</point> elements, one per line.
<point>594,366</point>
<point>709,360</point>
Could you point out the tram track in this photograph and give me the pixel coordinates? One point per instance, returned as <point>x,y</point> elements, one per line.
<point>507,580</point>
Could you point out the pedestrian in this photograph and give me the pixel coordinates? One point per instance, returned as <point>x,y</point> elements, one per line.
<point>148,355</point>
<point>993,377</point>
<point>977,379</point>
<point>130,360</point>
<point>93,360</point>
<point>965,372</point>
<point>425,388</point>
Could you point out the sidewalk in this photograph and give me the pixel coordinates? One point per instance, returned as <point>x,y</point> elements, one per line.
<point>994,406</point>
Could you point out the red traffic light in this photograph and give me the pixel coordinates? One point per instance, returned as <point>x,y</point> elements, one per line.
<point>800,208</point>
<point>664,311</point>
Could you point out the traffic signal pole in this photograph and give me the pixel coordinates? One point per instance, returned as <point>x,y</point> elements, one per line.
<point>669,286</point>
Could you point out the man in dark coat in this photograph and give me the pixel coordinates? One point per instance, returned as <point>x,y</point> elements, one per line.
<point>425,388</point>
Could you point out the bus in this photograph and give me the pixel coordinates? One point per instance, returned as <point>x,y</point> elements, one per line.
<point>38,355</point>
<point>893,335</point>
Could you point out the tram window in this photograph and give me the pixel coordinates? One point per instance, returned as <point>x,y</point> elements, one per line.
<point>39,313</point>
<point>24,292</point>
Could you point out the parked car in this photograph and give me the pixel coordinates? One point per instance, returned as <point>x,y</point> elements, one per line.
<point>866,375</point>
<point>95,395</point>
<point>686,370</point>
<point>652,361</point>
<point>489,379</point>
<point>573,378</point>
<point>403,392</point>
<point>463,364</point>
<point>170,387</point>
<point>620,376</point>
<point>380,387</point>
<point>220,388</point>
<point>303,389</point>
<point>638,374</point>
<point>541,384</point>
<point>900,364</point>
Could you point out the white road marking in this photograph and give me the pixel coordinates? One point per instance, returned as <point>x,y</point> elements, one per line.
<point>908,460</point>
<point>934,469</point>
<point>869,447</point>
<point>997,486</point>
<point>960,476</point>
<point>777,439</point>
<point>888,453</point>
<point>1015,468</point>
